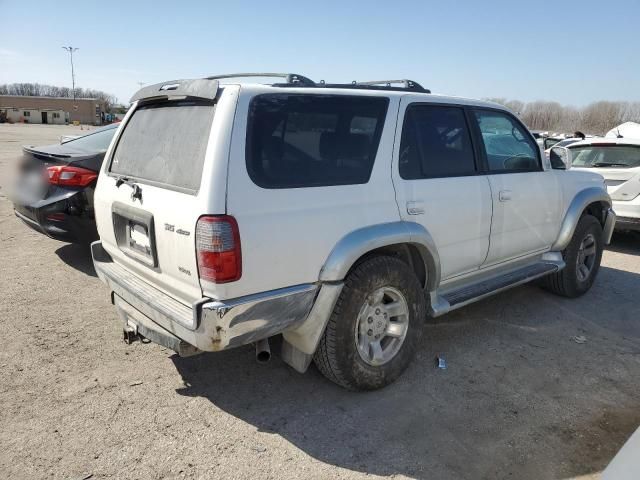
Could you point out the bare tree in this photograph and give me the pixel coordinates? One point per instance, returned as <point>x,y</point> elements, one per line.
<point>596,118</point>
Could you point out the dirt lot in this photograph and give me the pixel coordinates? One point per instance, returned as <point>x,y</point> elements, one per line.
<point>520,398</point>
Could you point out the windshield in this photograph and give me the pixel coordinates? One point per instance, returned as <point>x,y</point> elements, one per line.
<point>594,156</point>
<point>94,142</point>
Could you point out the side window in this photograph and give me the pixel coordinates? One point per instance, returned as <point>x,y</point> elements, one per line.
<point>508,146</point>
<point>435,143</point>
<point>297,140</point>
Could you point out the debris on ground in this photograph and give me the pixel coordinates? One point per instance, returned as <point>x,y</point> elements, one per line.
<point>441,363</point>
<point>137,382</point>
<point>579,339</point>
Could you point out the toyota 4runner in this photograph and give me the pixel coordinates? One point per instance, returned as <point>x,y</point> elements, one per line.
<point>338,215</point>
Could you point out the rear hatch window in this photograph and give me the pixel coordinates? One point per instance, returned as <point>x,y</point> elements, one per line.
<point>606,156</point>
<point>164,145</point>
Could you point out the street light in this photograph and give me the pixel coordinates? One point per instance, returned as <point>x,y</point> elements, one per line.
<point>73,77</point>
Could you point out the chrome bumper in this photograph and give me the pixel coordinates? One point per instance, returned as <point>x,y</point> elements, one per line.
<point>609,225</point>
<point>208,325</point>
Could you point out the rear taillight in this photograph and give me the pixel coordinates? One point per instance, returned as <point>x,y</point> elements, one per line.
<point>218,249</point>
<point>67,176</point>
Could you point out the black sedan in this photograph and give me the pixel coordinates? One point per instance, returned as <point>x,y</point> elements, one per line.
<point>54,190</point>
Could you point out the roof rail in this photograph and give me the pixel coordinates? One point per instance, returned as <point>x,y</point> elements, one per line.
<point>290,78</point>
<point>405,82</point>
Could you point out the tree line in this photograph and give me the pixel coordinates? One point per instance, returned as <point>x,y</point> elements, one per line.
<point>43,90</point>
<point>597,118</point>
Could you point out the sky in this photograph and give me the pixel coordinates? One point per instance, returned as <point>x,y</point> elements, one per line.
<point>572,52</point>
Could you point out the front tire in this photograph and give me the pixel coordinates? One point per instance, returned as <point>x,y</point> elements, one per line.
<point>582,258</point>
<point>376,326</point>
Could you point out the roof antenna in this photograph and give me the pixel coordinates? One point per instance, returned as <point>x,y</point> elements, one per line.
<point>618,130</point>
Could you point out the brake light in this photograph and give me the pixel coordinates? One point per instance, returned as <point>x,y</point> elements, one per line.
<point>67,176</point>
<point>218,249</point>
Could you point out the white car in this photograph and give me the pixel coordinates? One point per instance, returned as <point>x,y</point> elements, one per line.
<point>618,161</point>
<point>337,215</point>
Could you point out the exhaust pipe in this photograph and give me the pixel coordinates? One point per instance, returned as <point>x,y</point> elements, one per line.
<point>263,352</point>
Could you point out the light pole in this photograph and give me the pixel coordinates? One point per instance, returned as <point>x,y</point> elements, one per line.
<point>73,77</point>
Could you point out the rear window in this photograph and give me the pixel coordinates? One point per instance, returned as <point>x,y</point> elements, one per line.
<point>94,142</point>
<point>594,156</point>
<point>298,140</point>
<point>165,144</point>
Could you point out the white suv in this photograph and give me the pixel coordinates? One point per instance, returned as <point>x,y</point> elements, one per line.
<point>337,215</point>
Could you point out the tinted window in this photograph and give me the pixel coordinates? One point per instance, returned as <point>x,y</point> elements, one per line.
<point>435,143</point>
<point>508,145</point>
<point>94,142</point>
<point>165,144</point>
<point>313,140</point>
<point>613,156</point>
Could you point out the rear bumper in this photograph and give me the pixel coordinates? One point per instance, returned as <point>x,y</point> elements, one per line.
<point>208,325</point>
<point>55,220</point>
<point>628,214</point>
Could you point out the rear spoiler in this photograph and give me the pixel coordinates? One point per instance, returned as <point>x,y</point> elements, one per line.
<point>202,88</point>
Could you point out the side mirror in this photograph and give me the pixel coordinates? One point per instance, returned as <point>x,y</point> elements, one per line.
<point>560,158</point>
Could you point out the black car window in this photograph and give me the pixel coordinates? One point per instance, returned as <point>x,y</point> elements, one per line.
<point>94,142</point>
<point>435,143</point>
<point>297,140</point>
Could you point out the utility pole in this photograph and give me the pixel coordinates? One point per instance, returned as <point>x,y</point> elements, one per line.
<point>73,76</point>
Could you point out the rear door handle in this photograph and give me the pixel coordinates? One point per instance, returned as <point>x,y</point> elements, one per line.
<point>415,208</point>
<point>505,195</point>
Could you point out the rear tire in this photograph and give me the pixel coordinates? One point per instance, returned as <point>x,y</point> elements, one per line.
<point>376,326</point>
<point>582,257</point>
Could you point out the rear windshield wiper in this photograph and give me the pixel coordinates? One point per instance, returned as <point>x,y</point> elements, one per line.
<point>606,164</point>
<point>137,191</point>
<point>124,180</point>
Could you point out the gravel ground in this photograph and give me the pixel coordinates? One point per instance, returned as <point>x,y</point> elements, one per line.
<point>520,398</point>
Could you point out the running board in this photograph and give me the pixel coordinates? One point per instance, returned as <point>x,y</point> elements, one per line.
<point>467,294</point>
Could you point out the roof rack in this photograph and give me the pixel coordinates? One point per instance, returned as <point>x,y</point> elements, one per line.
<point>405,82</point>
<point>291,79</point>
<point>297,80</point>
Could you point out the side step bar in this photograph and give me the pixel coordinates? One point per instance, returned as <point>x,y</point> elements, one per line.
<point>467,294</point>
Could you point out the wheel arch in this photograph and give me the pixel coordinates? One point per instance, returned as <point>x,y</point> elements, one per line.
<point>593,201</point>
<point>409,241</point>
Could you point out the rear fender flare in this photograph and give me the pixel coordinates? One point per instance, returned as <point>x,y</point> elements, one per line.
<point>301,341</point>
<point>359,242</point>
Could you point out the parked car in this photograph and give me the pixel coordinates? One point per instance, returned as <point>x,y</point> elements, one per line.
<point>561,143</point>
<point>56,183</point>
<point>618,161</point>
<point>540,136</point>
<point>337,215</point>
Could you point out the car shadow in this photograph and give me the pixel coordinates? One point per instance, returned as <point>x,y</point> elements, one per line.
<point>628,243</point>
<point>78,256</point>
<point>518,399</point>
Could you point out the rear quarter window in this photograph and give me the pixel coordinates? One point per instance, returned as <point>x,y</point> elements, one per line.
<point>165,144</point>
<point>298,140</point>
